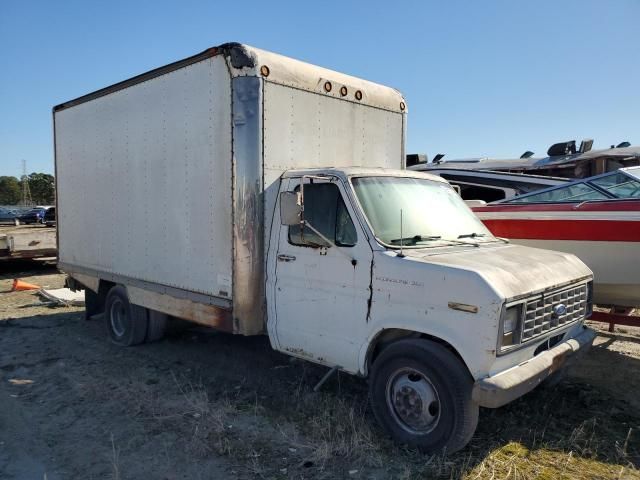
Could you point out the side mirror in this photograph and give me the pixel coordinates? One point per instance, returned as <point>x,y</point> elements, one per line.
<point>290,208</point>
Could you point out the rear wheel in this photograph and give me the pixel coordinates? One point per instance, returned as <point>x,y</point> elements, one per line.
<point>421,395</point>
<point>126,323</point>
<point>157,325</point>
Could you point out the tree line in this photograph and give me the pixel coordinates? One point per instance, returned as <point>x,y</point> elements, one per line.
<point>41,186</point>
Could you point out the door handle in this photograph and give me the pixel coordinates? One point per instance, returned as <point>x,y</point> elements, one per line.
<point>286,258</point>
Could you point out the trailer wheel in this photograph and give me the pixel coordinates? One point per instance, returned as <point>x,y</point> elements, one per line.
<point>157,325</point>
<point>420,393</point>
<point>125,322</point>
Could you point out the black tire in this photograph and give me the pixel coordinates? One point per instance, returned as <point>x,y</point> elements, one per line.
<point>93,304</point>
<point>157,325</point>
<point>414,372</point>
<point>126,323</point>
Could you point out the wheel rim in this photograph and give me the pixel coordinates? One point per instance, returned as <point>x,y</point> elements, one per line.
<point>118,317</point>
<point>413,401</point>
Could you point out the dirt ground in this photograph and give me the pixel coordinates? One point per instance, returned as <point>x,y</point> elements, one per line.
<point>204,405</point>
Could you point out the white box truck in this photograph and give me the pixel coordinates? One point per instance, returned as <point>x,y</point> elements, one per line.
<point>257,194</point>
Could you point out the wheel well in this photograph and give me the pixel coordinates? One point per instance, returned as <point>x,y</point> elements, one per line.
<point>103,288</point>
<point>391,335</point>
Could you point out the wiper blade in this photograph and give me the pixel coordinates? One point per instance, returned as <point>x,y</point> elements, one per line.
<point>475,244</point>
<point>415,239</point>
<point>472,235</point>
<point>461,242</point>
<point>478,235</point>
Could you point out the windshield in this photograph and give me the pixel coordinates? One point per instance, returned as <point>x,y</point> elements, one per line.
<point>576,192</point>
<point>619,184</point>
<point>431,210</point>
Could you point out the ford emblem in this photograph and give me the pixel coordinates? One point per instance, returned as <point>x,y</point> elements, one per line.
<point>559,309</point>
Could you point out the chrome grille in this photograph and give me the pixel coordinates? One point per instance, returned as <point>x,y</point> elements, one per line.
<point>540,316</point>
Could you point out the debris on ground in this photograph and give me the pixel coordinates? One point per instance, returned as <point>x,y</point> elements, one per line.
<point>63,296</point>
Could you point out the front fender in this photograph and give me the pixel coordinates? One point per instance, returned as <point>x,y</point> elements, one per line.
<point>422,297</point>
<point>476,360</point>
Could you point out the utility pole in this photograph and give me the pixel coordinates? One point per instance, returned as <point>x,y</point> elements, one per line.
<point>26,193</point>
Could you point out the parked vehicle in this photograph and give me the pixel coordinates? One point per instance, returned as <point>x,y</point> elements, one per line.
<point>489,185</point>
<point>35,215</point>
<point>50,217</point>
<point>564,160</point>
<point>27,242</point>
<point>597,219</point>
<point>376,271</point>
<point>7,216</point>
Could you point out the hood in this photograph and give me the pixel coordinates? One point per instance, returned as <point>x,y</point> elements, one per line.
<point>511,270</point>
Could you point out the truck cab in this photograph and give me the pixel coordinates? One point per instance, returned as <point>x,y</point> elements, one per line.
<point>388,274</point>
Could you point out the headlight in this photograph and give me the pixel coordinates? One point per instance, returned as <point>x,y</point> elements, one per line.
<point>511,325</point>
<point>511,317</point>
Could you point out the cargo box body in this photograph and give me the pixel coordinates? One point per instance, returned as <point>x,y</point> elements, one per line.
<point>167,182</point>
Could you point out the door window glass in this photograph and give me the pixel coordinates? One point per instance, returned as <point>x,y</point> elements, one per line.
<point>325,210</point>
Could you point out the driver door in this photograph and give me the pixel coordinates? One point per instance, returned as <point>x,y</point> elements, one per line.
<point>322,292</point>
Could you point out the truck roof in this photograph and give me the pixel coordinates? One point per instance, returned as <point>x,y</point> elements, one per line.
<point>347,172</point>
<point>244,60</point>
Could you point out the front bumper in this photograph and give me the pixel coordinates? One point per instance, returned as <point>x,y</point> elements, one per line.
<point>493,392</point>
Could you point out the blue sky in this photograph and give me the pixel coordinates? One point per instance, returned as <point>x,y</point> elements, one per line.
<point>480,78</point>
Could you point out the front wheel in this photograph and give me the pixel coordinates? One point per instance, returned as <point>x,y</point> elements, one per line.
<point>421,395</point>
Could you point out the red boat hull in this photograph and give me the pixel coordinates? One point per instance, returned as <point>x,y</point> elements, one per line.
<point>605,235</point>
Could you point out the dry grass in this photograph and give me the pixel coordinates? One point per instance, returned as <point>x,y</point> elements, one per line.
<point>570,432</point>
<point>335,427</point>
<point>236,405</point>
<point>573,431</point>
<point>209,420</point>
<point>115,460</point>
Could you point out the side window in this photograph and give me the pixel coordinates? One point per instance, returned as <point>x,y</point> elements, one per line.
<point>325,210</point>
<point>477,192</point>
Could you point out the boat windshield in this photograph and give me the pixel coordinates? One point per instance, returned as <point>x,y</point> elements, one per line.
<point>575,192</point>
<point>619,184</point>
<point>432,212</point>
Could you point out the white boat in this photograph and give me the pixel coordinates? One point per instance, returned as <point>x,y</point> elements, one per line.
<point>597,219</point>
